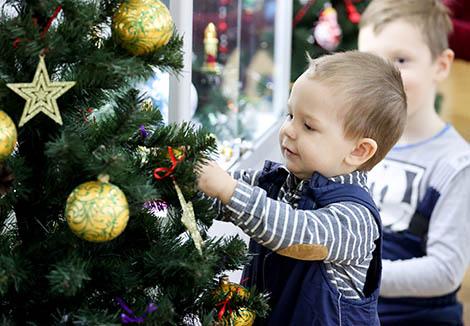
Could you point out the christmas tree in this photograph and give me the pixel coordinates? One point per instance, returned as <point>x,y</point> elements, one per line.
<point>98,198</point>
<point>308,14</point>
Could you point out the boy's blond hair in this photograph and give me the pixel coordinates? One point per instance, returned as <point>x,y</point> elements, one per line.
<point>430,16</point>
<point>373,95</point>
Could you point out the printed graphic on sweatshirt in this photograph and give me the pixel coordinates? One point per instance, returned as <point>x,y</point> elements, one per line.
<point>394,185</point>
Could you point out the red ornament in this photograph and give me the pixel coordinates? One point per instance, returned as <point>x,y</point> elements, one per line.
<point>353,15</point>
<point>223,49</point>
<point>222,26</point>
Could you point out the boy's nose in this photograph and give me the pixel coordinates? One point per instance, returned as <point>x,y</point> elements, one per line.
<point>289,129</point>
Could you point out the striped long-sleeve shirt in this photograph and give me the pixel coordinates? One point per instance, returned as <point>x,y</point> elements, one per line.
<point>346,229</point>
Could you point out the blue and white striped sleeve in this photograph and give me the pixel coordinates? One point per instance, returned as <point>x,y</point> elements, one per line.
<point>248,176</point>
<point>348,230</point>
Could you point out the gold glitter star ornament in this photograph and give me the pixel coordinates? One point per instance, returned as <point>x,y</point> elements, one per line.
<point>41,94</point>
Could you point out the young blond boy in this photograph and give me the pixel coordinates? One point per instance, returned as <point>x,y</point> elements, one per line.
<point>422,188</point>
<point>345,112</point>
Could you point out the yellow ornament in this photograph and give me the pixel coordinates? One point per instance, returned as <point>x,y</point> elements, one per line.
<point>227,152</point>
<point>8,136</point>
<point>142,26</point>
<point>189,219</point>
<point>243,316</point>
<point>147,105</point>
<point>229,288</point>
<point>97,211</point>
<point>41,94</point>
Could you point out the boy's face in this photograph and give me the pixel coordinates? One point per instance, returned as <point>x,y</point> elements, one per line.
<point>311,137</point>
<point>402,43</point>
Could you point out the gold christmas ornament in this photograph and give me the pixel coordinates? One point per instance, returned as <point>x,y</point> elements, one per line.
<point>189,219</point>
<point>229,289</point>
<point>8,136</point>
<point>97,211</point>
<point>142,26</point>
<point>227,152</point>
<point>243,316</point>
<point>41,94</point>
<point>147,105</point>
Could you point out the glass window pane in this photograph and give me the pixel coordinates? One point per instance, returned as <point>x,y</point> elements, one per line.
<point>233,69</point>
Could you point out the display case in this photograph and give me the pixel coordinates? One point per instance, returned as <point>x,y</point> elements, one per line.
<point>239,72</point>
<point>237,59</point>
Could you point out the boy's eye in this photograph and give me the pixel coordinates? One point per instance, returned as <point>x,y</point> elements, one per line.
<point>400,60</point>
<point>308,127</point>
<point>289,116</point>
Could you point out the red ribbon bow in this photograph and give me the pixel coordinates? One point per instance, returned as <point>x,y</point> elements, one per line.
<point>168,171</point>
<point>224,305</point>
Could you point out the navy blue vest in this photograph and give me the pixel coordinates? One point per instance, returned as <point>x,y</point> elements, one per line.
<point>301,293</point>
<point>407,244</point>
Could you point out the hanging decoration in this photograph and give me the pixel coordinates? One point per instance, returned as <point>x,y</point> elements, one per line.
<point>327,31</point>
<point>41,94</point>
<point>142,26</point>
<point>210,49</point>
<point>97,211</point>
<point>8,136</point>
<point>158,207</point>
<point>147,105</point>
<point>129,316</point>
<point>222,28</point>
<point>189,219</point>
<point>163,172</point>
<point>231,292</point>
<point>353,15</point>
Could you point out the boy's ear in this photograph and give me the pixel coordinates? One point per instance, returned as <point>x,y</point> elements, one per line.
<point>365,148</point>
<point>443,64</point>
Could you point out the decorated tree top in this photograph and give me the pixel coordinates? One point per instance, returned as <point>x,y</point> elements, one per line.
<point>101,222</point>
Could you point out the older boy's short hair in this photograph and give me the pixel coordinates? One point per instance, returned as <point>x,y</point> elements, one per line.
<point>430,16</point>
<point>373,93</point>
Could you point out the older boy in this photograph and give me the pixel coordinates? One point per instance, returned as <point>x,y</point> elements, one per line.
<point>345,112</point>
<point>422,188</point>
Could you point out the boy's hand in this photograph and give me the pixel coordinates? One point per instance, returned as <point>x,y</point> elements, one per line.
<point>216,182</point>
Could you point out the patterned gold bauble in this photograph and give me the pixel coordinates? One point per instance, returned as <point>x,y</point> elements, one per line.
<point>142,26</point>
<point>8,136</point>
<point>97,211</point>
<point>243,317</point>
<point>229,289</point>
